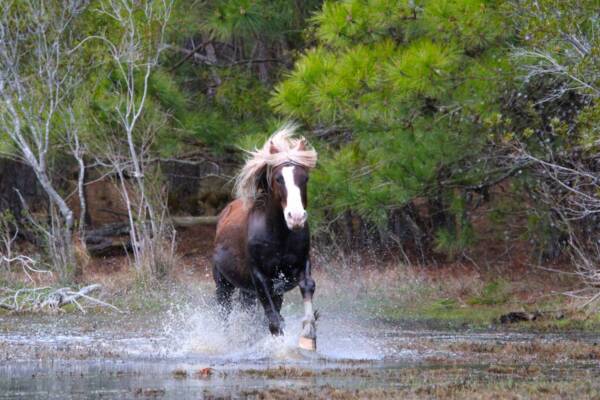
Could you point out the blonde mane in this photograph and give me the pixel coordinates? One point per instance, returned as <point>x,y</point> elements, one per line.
<point>281,148</point>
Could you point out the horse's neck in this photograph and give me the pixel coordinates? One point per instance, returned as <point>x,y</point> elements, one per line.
<point>274,218</point>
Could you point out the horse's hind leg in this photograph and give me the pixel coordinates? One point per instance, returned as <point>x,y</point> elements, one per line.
<point>224,290</point>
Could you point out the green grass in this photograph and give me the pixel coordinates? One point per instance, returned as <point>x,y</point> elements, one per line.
<point>448,313</point>
<point>445,312</point>
<point>434,306</point>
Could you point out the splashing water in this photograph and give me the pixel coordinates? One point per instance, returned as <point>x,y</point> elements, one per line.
<point>201,332</point>
<point>196,330</point>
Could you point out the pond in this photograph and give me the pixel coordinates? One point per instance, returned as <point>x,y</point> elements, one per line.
<point>190,353</point>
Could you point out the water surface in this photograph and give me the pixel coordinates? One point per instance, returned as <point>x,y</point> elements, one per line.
<point>190,352</point>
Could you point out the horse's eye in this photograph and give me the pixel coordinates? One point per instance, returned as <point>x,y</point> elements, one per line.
<point>279,179</point>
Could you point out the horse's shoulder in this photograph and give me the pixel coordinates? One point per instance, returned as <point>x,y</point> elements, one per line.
<point>233,216</point>
<point>257,226</point>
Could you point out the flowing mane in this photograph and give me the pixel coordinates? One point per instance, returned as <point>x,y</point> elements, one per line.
<point>282,147</point>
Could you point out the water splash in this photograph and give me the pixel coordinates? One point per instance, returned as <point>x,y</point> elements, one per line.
<point>201,332</point>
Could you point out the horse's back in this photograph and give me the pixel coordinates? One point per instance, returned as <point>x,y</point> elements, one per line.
<point>230,243</point>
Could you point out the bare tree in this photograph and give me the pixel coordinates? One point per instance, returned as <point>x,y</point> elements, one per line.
<point>569,55</point>
<point>568,184</point>
<point>36,77</point>
<point>135,55</point>
<point>78,149</point>
<point>567,174</point>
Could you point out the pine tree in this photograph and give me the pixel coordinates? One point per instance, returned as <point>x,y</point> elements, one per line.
<point>409,87</point>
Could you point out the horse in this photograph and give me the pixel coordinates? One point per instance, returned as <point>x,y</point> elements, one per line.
<point>262,242</point>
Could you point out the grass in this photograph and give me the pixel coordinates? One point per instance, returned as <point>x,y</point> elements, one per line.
<point>496,292</point>
<point>495,382</point>
<point>445,313</point>
<point>129,292</point>
<point>462,300</point>
<point>433,298</point>
<point>445,303</point>
<point>450,313</point>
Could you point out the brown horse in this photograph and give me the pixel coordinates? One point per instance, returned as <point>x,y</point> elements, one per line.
<point>262,242</point>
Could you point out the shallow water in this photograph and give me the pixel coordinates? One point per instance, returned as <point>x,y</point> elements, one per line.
<point>133,356</point>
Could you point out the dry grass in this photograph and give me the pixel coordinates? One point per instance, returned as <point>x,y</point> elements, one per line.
<point>435,384</point>
<point>535,351</point>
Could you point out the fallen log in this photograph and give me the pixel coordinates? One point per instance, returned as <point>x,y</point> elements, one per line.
<point>186,222</point>
<point>115,229</point>
<point>518,316</point>
<point>122,228</point>
<point>522,316</point>
<point>114,238</point>
<point>107,246</point>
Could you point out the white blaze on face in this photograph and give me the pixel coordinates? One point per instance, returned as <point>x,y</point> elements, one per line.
<point>294,213</point>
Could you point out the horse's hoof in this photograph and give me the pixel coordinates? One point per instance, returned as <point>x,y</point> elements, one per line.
<point>307,344</point>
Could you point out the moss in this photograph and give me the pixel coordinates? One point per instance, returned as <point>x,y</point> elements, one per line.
<point>451,311</point>
<point>443,313</point>
<point>70,308</point>
<point>436,306</point>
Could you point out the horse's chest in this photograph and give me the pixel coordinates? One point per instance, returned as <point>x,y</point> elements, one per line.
<point>276,258</point>
<point>279,261</point>
<point>282,268</point>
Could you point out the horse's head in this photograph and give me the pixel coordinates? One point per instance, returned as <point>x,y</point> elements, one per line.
<point>279,170</point>
<point>288,185</point>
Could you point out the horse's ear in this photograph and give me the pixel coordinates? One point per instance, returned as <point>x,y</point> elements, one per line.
<point>272,148</point>
<point>301,145</point>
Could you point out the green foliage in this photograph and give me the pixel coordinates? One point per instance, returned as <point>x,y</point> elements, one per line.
<point>423,69</point>
<point>560,54</point>
<point>346,23</point>
<point>589,127</point>
<point>473,24</point>
<point>567,30</point>
<point>452,244</point>
<point>413,83</point>
<point>249,19</point>
<point>168,94</point>
<point>217,107</point>
<point>419,99</point>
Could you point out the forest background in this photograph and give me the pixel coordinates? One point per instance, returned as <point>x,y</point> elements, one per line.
<point>449,132</point>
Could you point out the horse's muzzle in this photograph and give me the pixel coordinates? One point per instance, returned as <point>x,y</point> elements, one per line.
<point>296,220</point>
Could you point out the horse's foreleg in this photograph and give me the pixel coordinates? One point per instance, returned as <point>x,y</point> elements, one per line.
<point>270,301</point>
<point>224,291</point>
<point>248,300</point>
<point>308,336</point>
